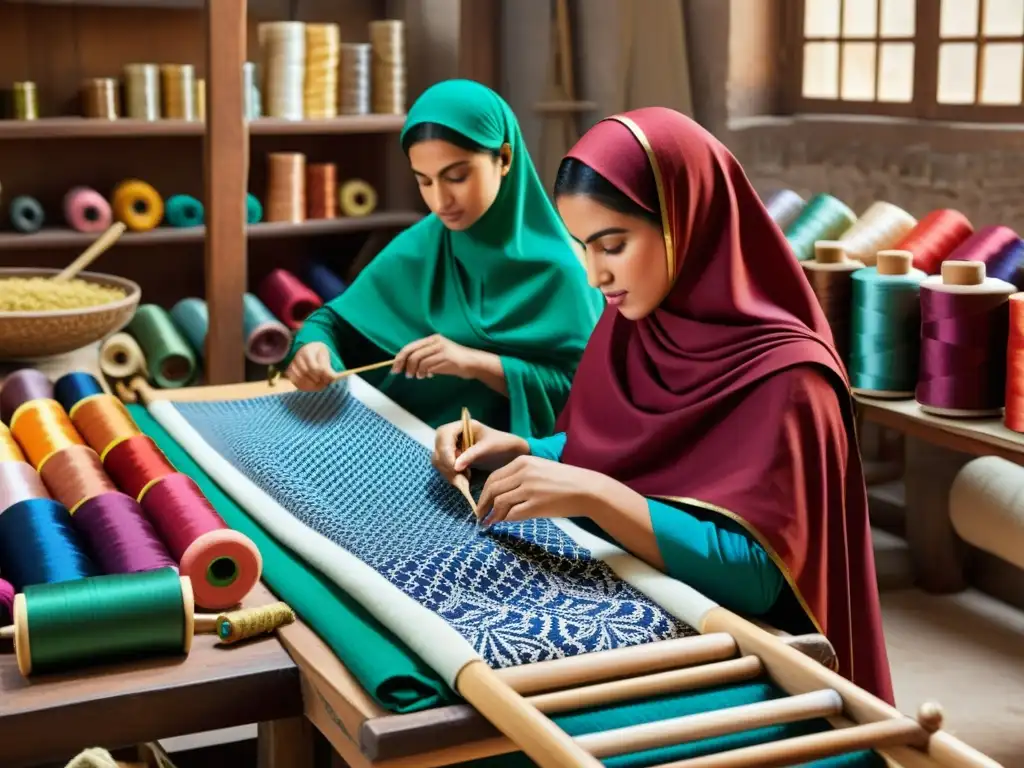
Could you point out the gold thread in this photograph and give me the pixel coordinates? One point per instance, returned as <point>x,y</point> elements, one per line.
<point>252,622</point>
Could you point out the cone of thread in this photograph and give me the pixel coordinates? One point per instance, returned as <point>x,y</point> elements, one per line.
<point>323,55</point>
<point>286,187</point>
<point>101,98</point>
<point>387,40</point>
<point>823,218</point>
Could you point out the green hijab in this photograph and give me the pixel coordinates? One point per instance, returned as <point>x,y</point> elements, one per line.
<point>510,284</point>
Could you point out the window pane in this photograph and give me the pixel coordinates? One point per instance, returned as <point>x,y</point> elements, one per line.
<point>821,70</point>
<point>1002,66</point>
<point>1004,17</point>
<point>859,19</point>
<point>821,18</point>
<point>959,18</point>
<point>898,18</point>
<point>858,71</point>
<point>956,73</point>
<point>896,72</point>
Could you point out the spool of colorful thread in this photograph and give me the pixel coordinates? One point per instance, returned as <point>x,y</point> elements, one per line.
<point>831,279</point>
<point>122,357</point>
<point>21,386</point>
<point>75,474</point>
<point>784,206</point>
<point>9,448</point>
<point>823,218</point>
<point>39,545</point>
<point>18,483</point>
<point>102,421</point>
<point>85,210</point>
<point>135,463</point>
<point>184,211</point>
<point>934,238</point>
<point>267,340</point>
<point>357,198</point>
<point>1014,414</point>
<point>879,228</point>
<point>42,428</point>
<point>26,214</point>
<point>138,205</point>
<point>999,248</point>
<point>119,534</point>
<point>288,298</point>
<point>965,320</point>
<point>253,209</point>
<point>192,317</point>
<point>886,322</point>
<point>6,601</point>
<point>73,387</point>
<point>321,183</point>
<point>169,358</point>
<point>323,280</point>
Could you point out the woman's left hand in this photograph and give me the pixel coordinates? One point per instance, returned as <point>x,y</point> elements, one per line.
<point>529,487</point>
<point>434,355</point>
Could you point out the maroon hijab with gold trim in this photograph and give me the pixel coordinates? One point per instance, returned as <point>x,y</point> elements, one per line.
<point>692,402</point>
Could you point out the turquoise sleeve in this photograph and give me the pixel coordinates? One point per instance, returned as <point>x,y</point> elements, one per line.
<point>547,447</point>
<point>324,325</point>
<point>728,566</point>
<point>536,393</point>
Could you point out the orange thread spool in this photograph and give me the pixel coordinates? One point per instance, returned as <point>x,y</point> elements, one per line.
<point>935,237</point>
<point>9,448</point>
<point>43,427</point>
<point>1013,416</point>
<point>102,420</point>
<point>74,475</point>
<point>321,191</point>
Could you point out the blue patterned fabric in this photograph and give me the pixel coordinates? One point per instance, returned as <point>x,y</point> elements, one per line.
<point>518,593</point>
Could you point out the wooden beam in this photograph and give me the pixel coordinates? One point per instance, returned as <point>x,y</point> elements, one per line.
<point>226,160</point>
<point>479,41</point>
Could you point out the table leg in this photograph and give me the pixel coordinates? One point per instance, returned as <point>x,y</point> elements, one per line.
<point>286,743</point>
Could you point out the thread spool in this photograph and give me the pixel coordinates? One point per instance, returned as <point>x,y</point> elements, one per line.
<point>73,475</point>
<point>885,321</point>
<point>42,427</point>
<point>135,463</point>
<point>39,545</point>
<point>288,297</point>
<point>823,218</point>
<point>784,206</point>
<point>142,91</point>
<point>1013,417</point>
<point>119,535</point>
<point>999,248</point>
<point>121,357</point>
<point>250,92</point>
<point>283,65</point>
<point>192,318</point>
<point>286,187</point>
<point>879,228</point>
<point>101,98</point>
<point>934,238</point>
<point>253,209</point>
<point>965,320</point>
<point>170,361</point>
<point>267,341</point>
<point>184,211</point>
<point>354,74</point>
<point>71,388</point>
<point>831,279</point>
<point>177,86</point>
<point>26,214</point>
<point>22,386</point>
<point>387,41</point>
<point>321,181</point>
<point>357,198</point>
<point>9,448</point>
<point>18,483</point>
<point>324,282</point>
<point>26,100</point>
<point>102,421</point>
<point>86,210</point>
<point>200,99</point>
<point>6,600</point>
<point>138,205</point>
<point>320,87</point>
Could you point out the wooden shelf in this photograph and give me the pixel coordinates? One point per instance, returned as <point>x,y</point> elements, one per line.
<point>66,238</point>
<point>82,128</point>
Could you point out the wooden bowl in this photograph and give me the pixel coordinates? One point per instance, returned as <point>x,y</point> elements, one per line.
<point>34,335</point>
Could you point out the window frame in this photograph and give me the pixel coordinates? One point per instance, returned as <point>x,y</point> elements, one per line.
<point>924,103</point>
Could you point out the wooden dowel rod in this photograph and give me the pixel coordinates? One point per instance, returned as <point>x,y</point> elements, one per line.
<point>621,662</point>
<point>362,369</point>
<point>658,684</point>
<point>708,725</point>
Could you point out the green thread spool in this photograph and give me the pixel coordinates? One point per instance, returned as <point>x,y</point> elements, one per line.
<point>253,209</point>
<point>192,317</point>
<point>170,359</point>
<point>824,218</point>
<point>184,211</point>
<point>26,101</point>
<point>886,327</point>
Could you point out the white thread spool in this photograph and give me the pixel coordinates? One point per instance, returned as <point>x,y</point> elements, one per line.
<point>283,52</point>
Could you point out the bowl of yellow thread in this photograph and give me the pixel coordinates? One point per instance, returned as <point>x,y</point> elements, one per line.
<point>40,317</point>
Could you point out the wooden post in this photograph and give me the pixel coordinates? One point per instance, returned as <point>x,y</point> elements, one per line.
<point>226,159</point>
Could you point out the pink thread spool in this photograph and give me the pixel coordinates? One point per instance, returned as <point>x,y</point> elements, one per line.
<point>86,210</point>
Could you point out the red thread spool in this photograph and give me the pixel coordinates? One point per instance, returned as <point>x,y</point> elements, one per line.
<point>934,238</point>
<point>1014,414</point>
<point>136,462</point>
<point>224,565</point>
<point>291,300</point>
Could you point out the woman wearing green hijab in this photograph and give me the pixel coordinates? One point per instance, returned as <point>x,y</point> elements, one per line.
<point>483,303</point>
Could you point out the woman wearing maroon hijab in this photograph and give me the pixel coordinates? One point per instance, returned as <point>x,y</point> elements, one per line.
<point>709,429</point>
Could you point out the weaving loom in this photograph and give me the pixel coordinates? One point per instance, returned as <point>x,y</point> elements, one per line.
<point>501,616</point>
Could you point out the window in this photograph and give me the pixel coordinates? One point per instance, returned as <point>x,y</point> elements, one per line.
<point>939,59</point>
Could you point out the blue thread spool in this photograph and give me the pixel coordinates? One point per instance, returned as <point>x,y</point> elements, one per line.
<point>323,280</point>
<point>192,317</point>
<point>75,386</point>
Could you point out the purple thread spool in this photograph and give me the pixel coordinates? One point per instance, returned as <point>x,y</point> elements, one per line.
<point>119,536</point>
<point>998,247</point>
<point>20,387</point>
<point>6,602</point>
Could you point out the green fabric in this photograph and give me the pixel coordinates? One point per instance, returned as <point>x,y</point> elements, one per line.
<point>387,670</point>
<point>511,284</point>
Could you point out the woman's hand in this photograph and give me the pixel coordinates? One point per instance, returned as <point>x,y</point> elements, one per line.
<point>435,355</point>
<point>492,448</point>
<point>311,369</point>
<point>529,487</point>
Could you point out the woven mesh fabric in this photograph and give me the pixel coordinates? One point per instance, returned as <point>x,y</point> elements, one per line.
<point>518,592</point>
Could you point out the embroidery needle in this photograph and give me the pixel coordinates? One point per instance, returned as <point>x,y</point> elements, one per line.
<point>466,441</point>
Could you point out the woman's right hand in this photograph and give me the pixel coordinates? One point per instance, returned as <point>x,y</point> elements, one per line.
<point>491,449</point>
<point>311,369</point>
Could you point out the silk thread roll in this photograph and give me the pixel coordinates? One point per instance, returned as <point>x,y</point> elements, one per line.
<point>1014,415</point>
<point>103,421</point>
<point>886,322</point>
<point>288,298</point>
<point>934,238</point>
<point>119,535</point>
<point>320,87</point>
<point>286,187</point>
<point>86,210</point>
<point>142,91</point>
<point>357,198</point>
<point>71,388</point>
<point>122,357</point>
<point>101,98</point>
<point>75,474</point>
<point>831,279</point>
<point>823,218</point>
<point>283,67</point>
<point>267,340</point>
<point>387,40</point>
<point>9,448</point>
<point>39,545</point>
<point>42,427</point>
<point>253,209</point>
<point>184,211</point>
<point>169,358</point>
<point>999,248</point>
<point>250,91</point>
<point>19,482</point>
<point>784,206</point>
<point>356,62</point>
<point>26,100</point>
<point>26,214</point>
<point>879,228</point>
<point>965,321</point>
<point>321,181</point>
<point>177,86</point>
<point>6,600</point>
<point>22,386</point>
<point>200,99</point>
<point>323,280</point>
<point>138,205</point>
<point>192,318</point>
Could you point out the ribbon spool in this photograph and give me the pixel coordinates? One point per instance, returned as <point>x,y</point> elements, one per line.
<point>885,327</point>
<point>85,210</point>
<point>831,279</point>
<point>26,214</point>
<point>823,218</point>
<point>784,206</point>
<point>169,358</point>
<point>934,237</point>
<point>138,205</point>
<point>964,335</point>
<point>880,227</point>
<point>357,198</point>
<point>142,91</point>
